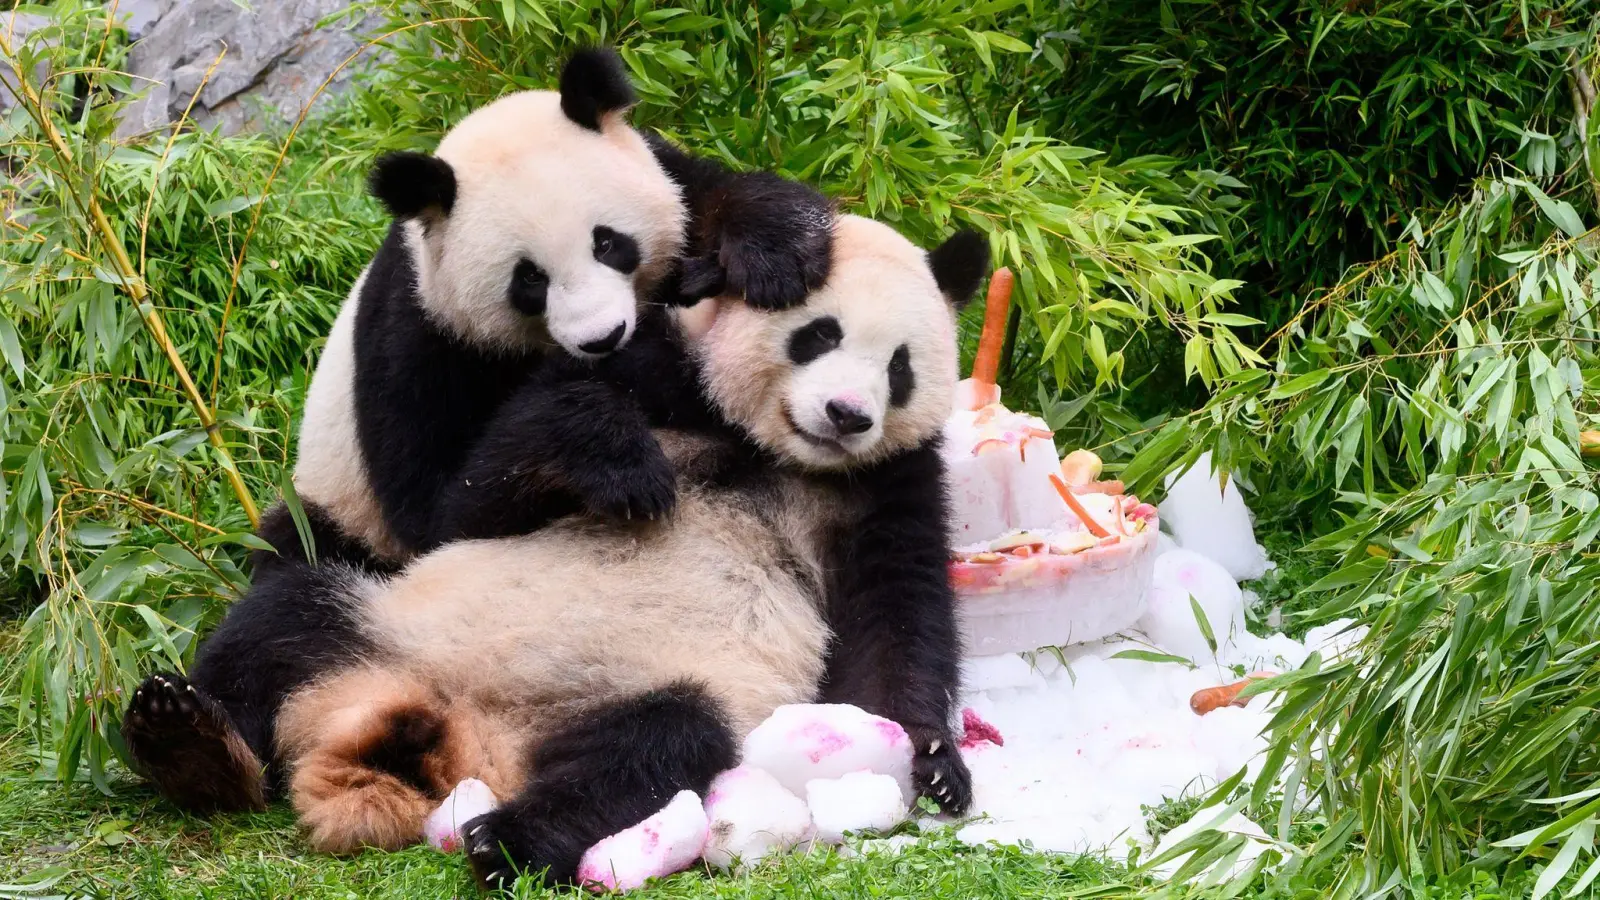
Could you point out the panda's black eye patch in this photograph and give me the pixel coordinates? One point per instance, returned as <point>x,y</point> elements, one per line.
<point>813,339</point>
<point>901,379</point>
<point>615,249</point>
<point>529,287</point>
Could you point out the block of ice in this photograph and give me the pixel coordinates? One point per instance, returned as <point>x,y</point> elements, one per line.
<point>667,842</point>
<point>1169,621</point>
<point>800,743</point>
<point>1256,841</point>
<point>470,799</point>
<point>752,817</point>
<point>1213,520</point>
<point>998,468</point>
<point>859,801</point>
<point>1007,670</point>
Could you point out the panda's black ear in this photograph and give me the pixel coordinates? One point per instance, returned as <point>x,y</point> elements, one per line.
<point>594,83</point>
<point>959,265</point>
<point>413,185</point>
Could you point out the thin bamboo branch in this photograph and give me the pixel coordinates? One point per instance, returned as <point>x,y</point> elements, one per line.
<point>138,292</point>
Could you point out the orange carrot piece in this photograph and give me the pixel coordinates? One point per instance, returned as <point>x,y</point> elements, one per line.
<point>986,364</point>
<point>1095,528</point>
<point>1207,699</point>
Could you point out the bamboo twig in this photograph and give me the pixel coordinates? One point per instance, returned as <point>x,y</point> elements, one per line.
<point>138,292</point>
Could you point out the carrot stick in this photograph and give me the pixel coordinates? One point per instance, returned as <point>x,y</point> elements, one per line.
<point>1207,699</point>
<point>986,364</point>
<point>1095,528</point>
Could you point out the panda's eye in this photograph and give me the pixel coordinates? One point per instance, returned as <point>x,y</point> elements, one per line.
<point>530,285</point>
<point>813,339</point>
<point>901,379</point>
<point>615,249</point>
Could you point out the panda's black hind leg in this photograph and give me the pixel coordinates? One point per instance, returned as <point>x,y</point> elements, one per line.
<point>182,740</point>
<point>608,772</point>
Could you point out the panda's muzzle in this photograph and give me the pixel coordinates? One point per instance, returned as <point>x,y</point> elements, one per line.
<point>606,344</point>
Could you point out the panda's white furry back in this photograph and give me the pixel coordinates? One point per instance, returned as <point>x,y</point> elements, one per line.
<point>499,644</point>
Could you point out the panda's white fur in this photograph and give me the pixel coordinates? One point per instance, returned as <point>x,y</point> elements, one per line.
<point>531,183</point>
<point>510,639</point>
<point>770,397</point>
<point>330,470</point>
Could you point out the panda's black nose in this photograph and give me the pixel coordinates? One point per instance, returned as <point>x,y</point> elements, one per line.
<point>848,419</point>
<point>607,343</point>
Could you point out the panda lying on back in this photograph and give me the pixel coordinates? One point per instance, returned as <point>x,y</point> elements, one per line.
<point>592,669</point>
<point>519,256</point>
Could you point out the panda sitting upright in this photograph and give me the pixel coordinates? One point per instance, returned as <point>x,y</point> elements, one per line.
<point>590,670</point>
<point>519,259</point>
<point>520,255</point>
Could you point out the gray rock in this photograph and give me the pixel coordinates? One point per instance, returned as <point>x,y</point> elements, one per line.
<point>16,27</point>
<point>276,59</point>
<point>140,16</point>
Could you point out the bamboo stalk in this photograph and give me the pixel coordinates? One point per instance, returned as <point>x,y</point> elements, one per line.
<point>136,289</point>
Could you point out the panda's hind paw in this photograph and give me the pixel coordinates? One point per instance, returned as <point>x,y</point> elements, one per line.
<point>166,700</point>
<point>182,740</point>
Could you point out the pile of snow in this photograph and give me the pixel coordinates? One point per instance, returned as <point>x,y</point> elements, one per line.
<point>1211,519</point>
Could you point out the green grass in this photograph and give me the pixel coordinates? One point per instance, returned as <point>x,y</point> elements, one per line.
<point>133,845</point>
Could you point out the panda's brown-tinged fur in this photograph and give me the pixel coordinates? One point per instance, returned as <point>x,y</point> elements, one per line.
<point>589,671</point>
<point>533,236</point>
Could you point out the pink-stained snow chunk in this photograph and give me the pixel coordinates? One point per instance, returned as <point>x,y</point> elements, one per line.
<point>859,801</point>
<point>667,842</point>
<point>752,817</point>
<point>976,731</point>
<point>1169,621</point>
<point>800,743</point>
<point>470,799</point>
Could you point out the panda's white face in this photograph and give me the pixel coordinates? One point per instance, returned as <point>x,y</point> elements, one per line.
<point>866,368</point>
<point>556,230</point>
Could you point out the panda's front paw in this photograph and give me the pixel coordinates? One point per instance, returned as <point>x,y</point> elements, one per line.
<point>508,842</point>
<point>939,773</point>
<point>638,489</point>
<point>779,246</point>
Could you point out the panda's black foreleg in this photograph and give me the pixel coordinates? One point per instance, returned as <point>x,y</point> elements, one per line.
<point>771,238</point>
<point>598,776</point>
<point>553,447</point>
<point>896,649</point>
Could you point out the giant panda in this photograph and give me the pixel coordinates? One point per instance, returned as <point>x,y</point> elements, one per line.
<point>590,670</point>
<point>520,256</point>
<point>520,252</point>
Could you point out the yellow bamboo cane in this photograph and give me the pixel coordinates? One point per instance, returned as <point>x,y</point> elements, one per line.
<point>135,286</point>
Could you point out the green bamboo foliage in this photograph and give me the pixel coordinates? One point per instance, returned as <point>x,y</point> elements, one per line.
<point>1434,400</point>
<point>124,334</point>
